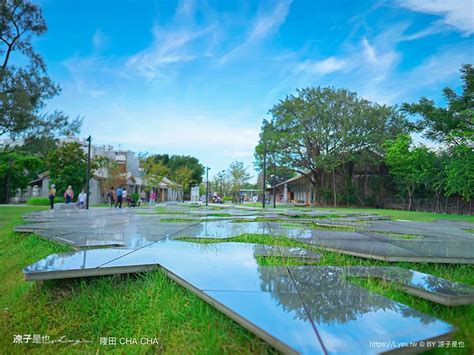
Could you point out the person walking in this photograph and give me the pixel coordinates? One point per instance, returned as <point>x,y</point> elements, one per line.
<point>111,196</point>
<point>69,195</point>
<point>151,202</point>
<point>143,197</point>
<point>125,196</point>
<point>81,199</point>
<point>119,194</point>
<point>51,195</point>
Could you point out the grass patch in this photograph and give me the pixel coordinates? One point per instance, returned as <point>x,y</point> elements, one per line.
<point>322,216</point>
<point>219,215</point>
<point>400,235</point>
<point>164,211</point>
<point>177,220</point>
<point>287,224</point>
<point>43,201</point>
<point>331,227</point>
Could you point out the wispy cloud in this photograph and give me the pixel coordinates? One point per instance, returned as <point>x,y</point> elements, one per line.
<point>323,67</point>
<point>83,73</point>
<point>172,44</point>
<point>168,48</point>
<point>458,14</point>
<point>99,40</point>
<point>267,23</point>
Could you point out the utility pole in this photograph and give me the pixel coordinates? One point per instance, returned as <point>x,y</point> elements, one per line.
<point>88,173</point>
<point>207,184</point>
<point>264,183</point>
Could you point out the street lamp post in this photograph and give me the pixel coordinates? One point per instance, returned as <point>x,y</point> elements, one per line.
<point>88,173</point>
<point>207,184</point>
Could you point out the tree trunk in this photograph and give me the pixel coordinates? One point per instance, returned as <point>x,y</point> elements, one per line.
<point>410,195</point>
<point>321,186</point>
<point>334,188</point>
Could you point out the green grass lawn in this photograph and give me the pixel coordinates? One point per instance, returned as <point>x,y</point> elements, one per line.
<point>153,306</point>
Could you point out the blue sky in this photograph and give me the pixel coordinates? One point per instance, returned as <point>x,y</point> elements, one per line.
<point>198,77</point>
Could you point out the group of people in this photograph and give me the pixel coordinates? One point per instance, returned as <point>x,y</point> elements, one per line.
<point>117,197</point>
<point>68,196</point>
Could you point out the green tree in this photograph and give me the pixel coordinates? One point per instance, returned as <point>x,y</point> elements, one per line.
<point>222,184</point>
<point>238,177</point>
<point>315,132</point>
<point>409,166</point>
<point>17,169</point>
<point>460,172</point>
<point>174,165</point>
<point>178,161</point>
<point>435,177</point>
<point>67,165</point>
<point>24,90</point>
<point>453,124</point>
<point>154,170</point>
<point>115,174</point>
<point>183,176</point>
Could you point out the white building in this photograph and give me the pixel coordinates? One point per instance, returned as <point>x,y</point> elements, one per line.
<point>167,190</point>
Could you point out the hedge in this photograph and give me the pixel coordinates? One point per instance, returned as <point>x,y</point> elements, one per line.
<point>43,201</point>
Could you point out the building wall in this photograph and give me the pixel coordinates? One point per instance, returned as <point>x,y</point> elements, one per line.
<point>44,187</point>
<point>94,192</point>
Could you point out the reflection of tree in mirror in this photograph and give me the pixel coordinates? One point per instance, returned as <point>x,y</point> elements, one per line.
<point>411,278</point>
<point>328,297</point>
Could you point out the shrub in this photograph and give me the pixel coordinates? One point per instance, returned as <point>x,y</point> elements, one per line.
<point>228,198</point>
<point>42,201</point>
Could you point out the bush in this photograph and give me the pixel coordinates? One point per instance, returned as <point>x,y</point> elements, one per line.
<point>42,201</point>
<point>228,198</point>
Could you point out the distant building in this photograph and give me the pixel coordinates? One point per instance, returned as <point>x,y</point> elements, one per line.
<point>369,181</point>
<point>167,190</point>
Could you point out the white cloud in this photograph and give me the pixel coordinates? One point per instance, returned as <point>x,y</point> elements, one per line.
<point>323,67</point>
<point>180,41</point>
<point>83,73</point>
<point>99,40</point>
<point>455,13</point>
<point>168,48</point>
<point>383,60</point>
<point>186,8</point>
<point>266,24</point>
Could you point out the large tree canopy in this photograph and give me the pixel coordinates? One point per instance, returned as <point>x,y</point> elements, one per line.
<point>453,124</point>
<point>319,129</point>
<point>238,176</point>
<point>67,166</point>
<point>17,169</point>
<point>410,166</point>
<point>183,169</point>
<point>24,90</point>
